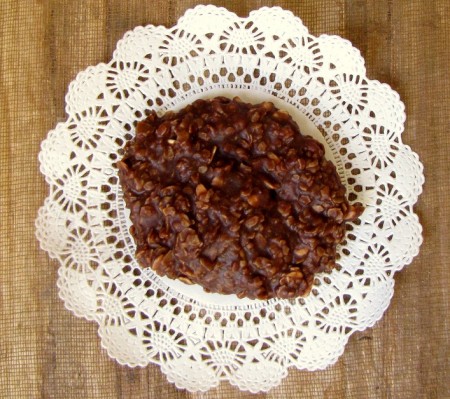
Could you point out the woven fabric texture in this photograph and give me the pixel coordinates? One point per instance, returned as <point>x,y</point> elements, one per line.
<point>46,352</point>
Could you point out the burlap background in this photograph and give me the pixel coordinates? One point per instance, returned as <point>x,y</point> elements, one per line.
<point>46,352</point>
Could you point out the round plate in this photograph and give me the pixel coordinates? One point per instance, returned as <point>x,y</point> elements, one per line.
<point>198,338</point>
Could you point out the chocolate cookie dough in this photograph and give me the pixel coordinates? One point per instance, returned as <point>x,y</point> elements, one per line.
<point>233,197</point>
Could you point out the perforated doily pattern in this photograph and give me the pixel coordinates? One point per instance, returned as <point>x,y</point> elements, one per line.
<point>198,338</point>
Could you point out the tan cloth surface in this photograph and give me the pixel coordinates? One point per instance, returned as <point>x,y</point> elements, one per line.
<point>46,352</point>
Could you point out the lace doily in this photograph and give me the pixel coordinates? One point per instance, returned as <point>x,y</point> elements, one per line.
<point>199,339</point>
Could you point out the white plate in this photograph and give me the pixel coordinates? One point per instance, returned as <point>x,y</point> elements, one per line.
<point>200,339</point>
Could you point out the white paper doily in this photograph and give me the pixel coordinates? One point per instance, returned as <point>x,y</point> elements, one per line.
<point>199,339</point>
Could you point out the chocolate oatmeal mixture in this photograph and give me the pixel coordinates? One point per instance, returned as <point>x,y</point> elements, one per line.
<point>233,197</point>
